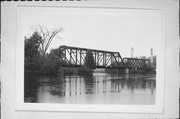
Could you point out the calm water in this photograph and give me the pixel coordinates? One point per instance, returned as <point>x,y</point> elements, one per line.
<point>100,88</point>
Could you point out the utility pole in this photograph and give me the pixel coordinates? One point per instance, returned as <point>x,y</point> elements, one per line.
<point>132,52</point>
<point>151,56</point>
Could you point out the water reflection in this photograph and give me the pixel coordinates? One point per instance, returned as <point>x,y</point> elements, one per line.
<point>100,88</point>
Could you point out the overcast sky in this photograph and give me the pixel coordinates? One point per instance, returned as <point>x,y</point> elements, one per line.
<point>105,29</point>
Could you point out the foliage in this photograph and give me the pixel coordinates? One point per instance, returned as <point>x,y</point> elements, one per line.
<point>32,55</point>
<point>85,70</point>
<point>89,60</point>
<point>52,63</point>
<point>32,45</point>
<point>37,60</point>
<point>46,38</point>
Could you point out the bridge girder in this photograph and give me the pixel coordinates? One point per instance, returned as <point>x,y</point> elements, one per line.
<point>75,57</point>
<point>135,63</point>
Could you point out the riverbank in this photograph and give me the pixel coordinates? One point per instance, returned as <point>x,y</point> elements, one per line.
<point>88,71</point>
<point>126,71</point>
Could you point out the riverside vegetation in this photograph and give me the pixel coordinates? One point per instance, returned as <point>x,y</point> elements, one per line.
<point>39,62</point>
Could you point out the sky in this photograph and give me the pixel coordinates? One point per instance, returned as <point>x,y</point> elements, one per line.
<point>116,30</point>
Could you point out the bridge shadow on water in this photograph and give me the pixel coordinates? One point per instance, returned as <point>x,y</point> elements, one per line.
<point>99,88</point>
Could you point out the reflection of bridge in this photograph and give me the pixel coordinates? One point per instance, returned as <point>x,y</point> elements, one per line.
<point>75,57</point>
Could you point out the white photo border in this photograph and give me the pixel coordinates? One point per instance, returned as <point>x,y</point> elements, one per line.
<point>160,77</point>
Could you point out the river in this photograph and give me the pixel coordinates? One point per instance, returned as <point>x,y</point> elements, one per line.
<point>100,88</point>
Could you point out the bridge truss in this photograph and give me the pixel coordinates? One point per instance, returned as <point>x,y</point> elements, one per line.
<point>139,64</point>
<point>76,57</point>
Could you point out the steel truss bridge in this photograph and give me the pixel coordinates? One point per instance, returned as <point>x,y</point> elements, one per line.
<point>75,57</point>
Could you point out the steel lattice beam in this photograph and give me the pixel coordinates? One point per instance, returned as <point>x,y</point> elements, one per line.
<point>75,57</point>
<point>135,63</point>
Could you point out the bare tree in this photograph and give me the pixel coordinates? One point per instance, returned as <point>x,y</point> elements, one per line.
<point>46,37</point>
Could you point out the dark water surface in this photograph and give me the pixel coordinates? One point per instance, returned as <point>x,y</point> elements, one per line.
<point>100,88</point>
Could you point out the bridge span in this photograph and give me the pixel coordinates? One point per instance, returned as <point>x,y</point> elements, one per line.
<point>76,57</point>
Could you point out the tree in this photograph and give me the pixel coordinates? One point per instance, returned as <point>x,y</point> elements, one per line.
<point>37,60</point>
<point>46,38</point>
<point>53,62</point>
<point>32,55</point>
<point>89,60</point>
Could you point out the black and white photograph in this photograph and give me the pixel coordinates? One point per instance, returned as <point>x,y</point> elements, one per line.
<point>89,59</point>
<point>90,56</point>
